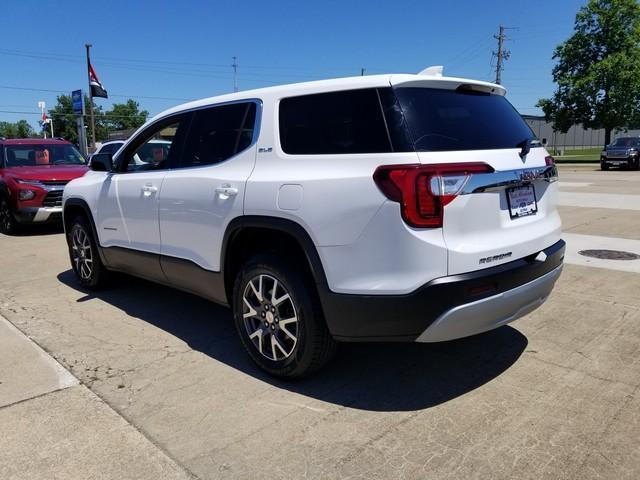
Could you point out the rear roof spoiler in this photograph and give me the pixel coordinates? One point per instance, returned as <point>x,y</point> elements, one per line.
<point>433,71</point>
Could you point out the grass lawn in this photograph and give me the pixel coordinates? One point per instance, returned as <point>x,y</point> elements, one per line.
<point>578,155</point>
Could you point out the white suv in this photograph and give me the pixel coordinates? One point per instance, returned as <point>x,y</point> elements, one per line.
<point>377,208</point>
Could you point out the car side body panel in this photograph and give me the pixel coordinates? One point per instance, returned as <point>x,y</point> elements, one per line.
<point>377,276</point>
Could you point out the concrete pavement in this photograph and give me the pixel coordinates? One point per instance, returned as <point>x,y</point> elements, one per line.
<point>554,395</point>
<point>55,428</point>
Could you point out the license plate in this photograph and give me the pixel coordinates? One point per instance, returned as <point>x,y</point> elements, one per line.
<point>616,163</point>
<point>522,201</point>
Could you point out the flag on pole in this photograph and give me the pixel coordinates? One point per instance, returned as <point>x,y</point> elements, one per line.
<point>44,120</point>
<point>97,90</point>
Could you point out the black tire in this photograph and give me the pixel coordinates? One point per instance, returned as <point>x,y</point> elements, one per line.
<point>604,166</point>
<point>314,346</point>
<point>8,223</point>
<point>84,256</point>
<point>636,163</point>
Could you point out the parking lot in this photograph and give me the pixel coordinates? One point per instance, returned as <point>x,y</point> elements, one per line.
<point>164,376</point>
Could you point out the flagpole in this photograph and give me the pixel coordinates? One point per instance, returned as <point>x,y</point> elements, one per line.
<point>93,121</point>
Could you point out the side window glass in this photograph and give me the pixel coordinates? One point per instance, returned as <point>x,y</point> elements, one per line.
<point>333,123</point>
<point>154,152</point>
<point>112,148</point>
<point>218,133</point>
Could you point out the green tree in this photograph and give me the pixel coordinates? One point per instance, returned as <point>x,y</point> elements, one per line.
<point>7,130</point>
<point>64,120</point>
<point>19,129</point>
<point>125,116</point>
<point>24,129</point>
<point>598,69</point>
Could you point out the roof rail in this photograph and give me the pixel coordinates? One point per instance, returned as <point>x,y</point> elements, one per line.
<point>433,71</point>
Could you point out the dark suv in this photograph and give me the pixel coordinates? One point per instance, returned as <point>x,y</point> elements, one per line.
<point>624,152</point>
<point>33,173</point>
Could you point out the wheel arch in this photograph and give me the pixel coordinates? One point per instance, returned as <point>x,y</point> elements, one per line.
<point>280,234</point>
<point>77,206</point>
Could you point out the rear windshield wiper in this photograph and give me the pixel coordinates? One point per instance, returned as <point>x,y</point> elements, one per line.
<point>525,147</point>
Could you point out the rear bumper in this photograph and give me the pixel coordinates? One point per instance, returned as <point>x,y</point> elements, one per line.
<point>39,215</point>
<point>491,312</point>
<point>448,307</point>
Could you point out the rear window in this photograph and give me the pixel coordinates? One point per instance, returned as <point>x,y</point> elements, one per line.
<point>445,120</point>
<point>333,123</point>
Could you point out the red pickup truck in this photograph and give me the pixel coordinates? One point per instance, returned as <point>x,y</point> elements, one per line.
<point>33,173</point>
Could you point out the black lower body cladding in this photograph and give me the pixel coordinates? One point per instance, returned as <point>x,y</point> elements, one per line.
<point>405,317</point>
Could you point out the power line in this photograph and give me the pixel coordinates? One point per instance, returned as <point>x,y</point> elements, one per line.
<point>107,115</point>
<point>121,95</point>
<point>210,72</point>
<point>217,74</point>
<point>468,54</point>
<point>79,59</point>
<point>150,67</point>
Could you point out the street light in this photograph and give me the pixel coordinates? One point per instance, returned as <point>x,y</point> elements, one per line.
<point>50,122</point>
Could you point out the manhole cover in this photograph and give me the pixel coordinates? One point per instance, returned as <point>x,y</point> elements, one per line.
<point>609,254</point>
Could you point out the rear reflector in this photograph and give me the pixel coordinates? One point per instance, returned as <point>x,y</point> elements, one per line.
<point>423,190</point>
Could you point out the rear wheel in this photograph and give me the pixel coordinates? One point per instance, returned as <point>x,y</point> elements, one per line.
<point>83,253</point>
<point>604,166</point>
<point>279,319</point>
<point>8,223</point>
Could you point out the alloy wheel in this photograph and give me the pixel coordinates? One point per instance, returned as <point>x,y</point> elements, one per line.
<point>81,253</point>
<point>270,317</point>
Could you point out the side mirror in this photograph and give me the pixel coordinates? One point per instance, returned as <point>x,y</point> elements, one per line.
<point>102,162</point>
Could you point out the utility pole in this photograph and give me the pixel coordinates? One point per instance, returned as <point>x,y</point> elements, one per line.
<point>501,54</point>
<point>235,74</point>
<point>362,70</point>
<point>93,121</point>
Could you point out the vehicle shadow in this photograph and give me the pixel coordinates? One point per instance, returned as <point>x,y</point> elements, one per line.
<point>38,230</point>
<point>367,376</point>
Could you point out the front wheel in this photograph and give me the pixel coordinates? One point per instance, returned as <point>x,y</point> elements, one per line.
<point>83,253</point>
<point>8,223</point>
<point>279,320</point>
<point>604,166</point>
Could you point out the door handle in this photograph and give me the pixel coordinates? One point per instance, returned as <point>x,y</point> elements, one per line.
<point>227,190</point>
<point>149,190</point>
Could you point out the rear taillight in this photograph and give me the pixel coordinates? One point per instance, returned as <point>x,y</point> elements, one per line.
<point>423,190</point>
<point>549,160</point>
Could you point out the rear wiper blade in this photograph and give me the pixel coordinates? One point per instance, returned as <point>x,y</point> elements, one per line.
<point>525,147</point>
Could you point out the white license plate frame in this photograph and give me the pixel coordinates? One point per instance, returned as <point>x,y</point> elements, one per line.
<point>521,201</point>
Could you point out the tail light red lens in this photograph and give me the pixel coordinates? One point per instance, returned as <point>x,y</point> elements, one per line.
<point>423,190</point>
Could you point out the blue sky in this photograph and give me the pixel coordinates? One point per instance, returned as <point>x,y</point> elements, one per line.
<point>182,49</point>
